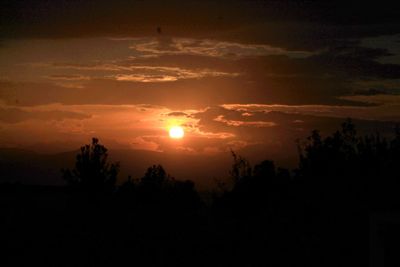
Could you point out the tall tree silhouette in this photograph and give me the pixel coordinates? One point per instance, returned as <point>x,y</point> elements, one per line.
<point>92,172</point>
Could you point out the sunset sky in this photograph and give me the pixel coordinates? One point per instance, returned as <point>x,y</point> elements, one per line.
<point>251,76</point>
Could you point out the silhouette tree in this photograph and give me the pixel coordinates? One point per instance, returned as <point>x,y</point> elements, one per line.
<point>320,216</point>
<point>92,172</point>
<point>155,175</point>
<point>334,156</point>
<point>345,177</point>
<point>241,168</point>
<point>264,169</point>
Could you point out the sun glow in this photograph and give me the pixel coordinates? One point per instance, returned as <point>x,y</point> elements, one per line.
<point>176,132</point>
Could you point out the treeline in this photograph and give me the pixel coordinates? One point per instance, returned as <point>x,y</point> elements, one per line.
<point>316,215</point>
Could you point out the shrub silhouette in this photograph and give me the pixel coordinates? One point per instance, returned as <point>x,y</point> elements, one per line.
<point>92,172</point>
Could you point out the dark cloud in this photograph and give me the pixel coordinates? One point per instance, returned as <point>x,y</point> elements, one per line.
<point>295,24</point>
<point>182,94</point>
<point>377,91</point>
<point>354,62</point>
<point>197,73</point>
<point>71,77</point>
<point>16,115</point>
<point>177,114</point>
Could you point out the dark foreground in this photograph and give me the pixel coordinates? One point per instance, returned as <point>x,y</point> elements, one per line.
<point>341,207</point>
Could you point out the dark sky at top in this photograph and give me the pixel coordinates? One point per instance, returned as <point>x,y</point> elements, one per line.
<point>291,24</point>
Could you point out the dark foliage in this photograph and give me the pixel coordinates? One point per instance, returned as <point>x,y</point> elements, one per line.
<point>340,207</point>
<point>92,172</point>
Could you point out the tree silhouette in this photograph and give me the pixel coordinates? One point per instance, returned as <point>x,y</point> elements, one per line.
<point>264,169</point>
<point>241,168</point>
<point>92,172</point>
<point>343,178</point>
<point>321,213</point>
<point>155,175</point>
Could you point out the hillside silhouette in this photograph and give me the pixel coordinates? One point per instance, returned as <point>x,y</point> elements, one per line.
<point>339,207</point>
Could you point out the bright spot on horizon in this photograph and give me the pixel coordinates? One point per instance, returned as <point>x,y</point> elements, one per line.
<point>176,132</point>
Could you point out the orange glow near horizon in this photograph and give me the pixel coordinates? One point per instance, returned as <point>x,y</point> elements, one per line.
<point>176,132</point>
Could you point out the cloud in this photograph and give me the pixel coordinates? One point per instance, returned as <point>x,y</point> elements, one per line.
<point>17,115</point>
<point>391,101</point>
<point>384,108</point>
<point>164,74</point>
<point>376,87</point>
<point>177,114</point>
<point>252,75</point>
<point>238,123</point>
<point>206,47</point>
<point>144,78</point>
<point>308,24</point>
<point>131,72</point>
<point>195,71</point>
<point>377,91</point>
<point>72,77</point>
<point>354,61</point>
<point>212,130</point>
<point>133,126</point>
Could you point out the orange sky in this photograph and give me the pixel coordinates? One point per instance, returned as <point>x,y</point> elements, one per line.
<point>249,76</point>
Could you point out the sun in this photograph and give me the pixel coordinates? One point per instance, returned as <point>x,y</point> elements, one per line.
<point>176,132</point>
